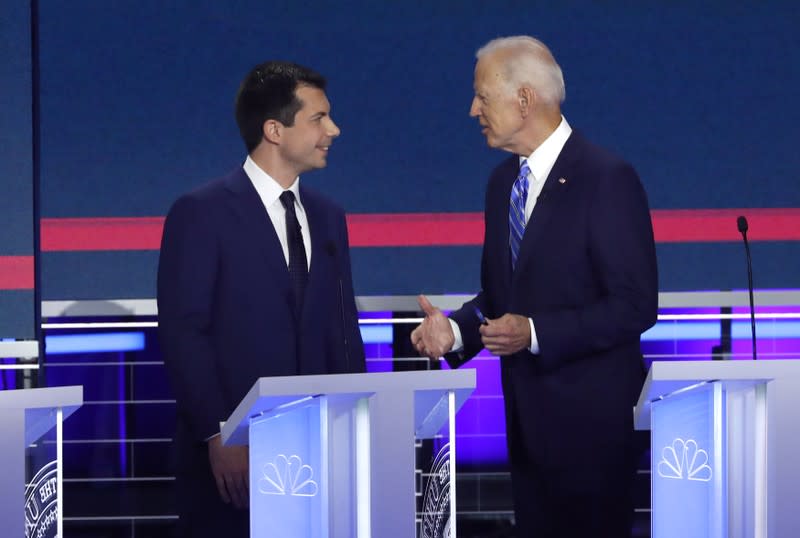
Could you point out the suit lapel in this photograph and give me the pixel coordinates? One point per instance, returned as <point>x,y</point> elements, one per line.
<point>249,209</point>
<point>552,196</point>
<point>321,254</point>
<point>510,178</point>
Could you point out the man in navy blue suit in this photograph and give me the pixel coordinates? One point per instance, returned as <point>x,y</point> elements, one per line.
<point>568,284</point>
<point>254,280</point>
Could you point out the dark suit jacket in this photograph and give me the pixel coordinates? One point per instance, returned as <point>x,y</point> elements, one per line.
<point>225,303</point>
<point>586,275</point>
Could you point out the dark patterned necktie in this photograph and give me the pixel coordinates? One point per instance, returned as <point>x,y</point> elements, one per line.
<point>298,265</point>
<point>516,212</point>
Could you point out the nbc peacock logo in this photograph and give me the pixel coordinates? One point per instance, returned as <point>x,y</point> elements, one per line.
<point>684,460</point>
<point>287,475</point>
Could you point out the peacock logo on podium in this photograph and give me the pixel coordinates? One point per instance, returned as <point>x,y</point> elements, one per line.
<point>41,504</point>
<point>288,476</point>
<point>684,460</point>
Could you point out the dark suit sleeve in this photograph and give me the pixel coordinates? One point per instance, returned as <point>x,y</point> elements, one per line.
<point>354,343</point>
<point>468,324</point>
<point>623,259</point>
<point>186,277</point>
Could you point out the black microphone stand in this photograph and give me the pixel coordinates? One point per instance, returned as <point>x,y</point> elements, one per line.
<point>741,223</point>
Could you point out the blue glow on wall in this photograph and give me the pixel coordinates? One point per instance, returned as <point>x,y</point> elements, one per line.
<point>376,334</point>
<point>695,330</point>
<point>710,330</point>
<point>94,343</point>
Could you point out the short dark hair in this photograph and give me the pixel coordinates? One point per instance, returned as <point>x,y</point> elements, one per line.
<point>268,92</point>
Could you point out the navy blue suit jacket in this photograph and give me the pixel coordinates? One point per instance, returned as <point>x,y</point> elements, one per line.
<point>586,275</point>
<point>225,303</point>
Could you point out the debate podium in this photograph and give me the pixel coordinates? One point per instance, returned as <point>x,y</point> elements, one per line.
<point>26,415</point>
<point>725,447</point>
<point>334,455</point>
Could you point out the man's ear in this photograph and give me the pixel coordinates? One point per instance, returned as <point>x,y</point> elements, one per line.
<point>272,131</point>
<point>526,97</point>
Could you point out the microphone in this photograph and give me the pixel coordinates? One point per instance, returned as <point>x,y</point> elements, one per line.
<point>741,224</point>
<point>330,248</point>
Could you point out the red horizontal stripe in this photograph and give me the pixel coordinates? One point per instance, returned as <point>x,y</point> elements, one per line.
<point>16,272</point>
<point>429,229</point>
<point>719,225</point>
<point>110,233</point>
<point>415,229</point>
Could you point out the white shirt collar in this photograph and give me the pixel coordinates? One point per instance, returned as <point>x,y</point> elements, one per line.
<point>543,158</point>
<point>267,187</point>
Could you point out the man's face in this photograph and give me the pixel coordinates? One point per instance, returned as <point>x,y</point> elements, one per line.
<point>305,144</point>
<point>496,108</point>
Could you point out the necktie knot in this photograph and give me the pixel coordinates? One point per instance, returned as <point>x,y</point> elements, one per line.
<point>524,172</point>
<point>287,199</point>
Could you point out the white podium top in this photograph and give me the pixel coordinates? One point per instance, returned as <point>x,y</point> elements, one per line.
<point>666,378</point>
<point>39,406</point>
<point>269,393</point>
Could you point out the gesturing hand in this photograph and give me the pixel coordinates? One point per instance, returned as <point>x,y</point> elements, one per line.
<point>231,471</point>
<point>434,336</point>
<point>507,334</point>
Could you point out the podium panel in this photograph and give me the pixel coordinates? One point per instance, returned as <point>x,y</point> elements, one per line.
<point>435,460</point>
<point>724,447</point>
<point>287,475</point>
<point>688,462</point>
<point>43,488</point>
<point>334,456</point>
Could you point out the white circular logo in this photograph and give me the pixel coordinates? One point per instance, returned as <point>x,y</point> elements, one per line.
<point>41,504</point>
<point>436,499</point>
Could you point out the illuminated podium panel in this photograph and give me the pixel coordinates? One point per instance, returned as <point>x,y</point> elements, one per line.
<point>334,456</point>
<point>725,443</point>
<point>28,416</point>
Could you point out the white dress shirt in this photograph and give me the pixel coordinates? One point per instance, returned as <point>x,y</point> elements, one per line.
<point>270,192</point>
<point>540,162</point>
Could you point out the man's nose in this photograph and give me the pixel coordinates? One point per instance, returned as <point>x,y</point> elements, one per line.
<point>475,108</point>
<point>333,129</point>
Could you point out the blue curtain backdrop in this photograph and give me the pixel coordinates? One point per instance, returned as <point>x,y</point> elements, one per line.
<point>137,100</point>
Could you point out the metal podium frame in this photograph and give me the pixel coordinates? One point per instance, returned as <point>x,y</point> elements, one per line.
<point>25,416</point>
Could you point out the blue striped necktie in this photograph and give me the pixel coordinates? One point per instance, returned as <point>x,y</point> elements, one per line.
<point>516,212</point>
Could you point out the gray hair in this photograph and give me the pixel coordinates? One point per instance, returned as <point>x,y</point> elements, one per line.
<point>529,63</point>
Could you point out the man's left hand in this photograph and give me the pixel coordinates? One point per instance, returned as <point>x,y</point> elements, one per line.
<point>507,334</point>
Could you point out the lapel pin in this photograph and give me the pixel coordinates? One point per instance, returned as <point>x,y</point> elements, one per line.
<point>562,180</point>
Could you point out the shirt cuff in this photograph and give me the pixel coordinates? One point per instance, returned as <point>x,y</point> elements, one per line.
<point>458,342</point>
<point>534,341</point>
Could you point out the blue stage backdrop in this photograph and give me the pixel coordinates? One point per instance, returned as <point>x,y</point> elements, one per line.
<point>16,173</point>
<point>137,107</point>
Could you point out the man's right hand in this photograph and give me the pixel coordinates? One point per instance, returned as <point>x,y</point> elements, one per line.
<point>231,470</point>
<point>434,336</point>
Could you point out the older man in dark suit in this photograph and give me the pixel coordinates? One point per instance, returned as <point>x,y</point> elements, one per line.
<point>254,280</point>
<point>568,284</point>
